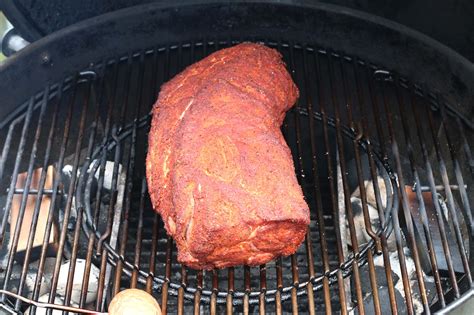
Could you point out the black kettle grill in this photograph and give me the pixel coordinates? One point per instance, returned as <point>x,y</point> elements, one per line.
<point>381,138</point>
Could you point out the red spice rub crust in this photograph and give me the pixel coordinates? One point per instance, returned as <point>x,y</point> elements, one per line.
<point>218,169</point>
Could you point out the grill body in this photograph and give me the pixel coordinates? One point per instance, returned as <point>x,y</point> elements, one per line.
<point>377,101</point>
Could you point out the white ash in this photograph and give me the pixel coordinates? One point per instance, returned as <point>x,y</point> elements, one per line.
<point>58,299</point>
<point>115,228</point>
<point>106,184</point>
<point>30,277</point>
<point>411,274</point>
<point>359,221</point>
<point>79,273</point>
<point>108,172</point>
<point>370,192</point>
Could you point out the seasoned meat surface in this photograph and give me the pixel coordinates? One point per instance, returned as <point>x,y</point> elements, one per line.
<point>218,169</point>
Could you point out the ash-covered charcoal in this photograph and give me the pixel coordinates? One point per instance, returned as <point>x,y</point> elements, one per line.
<point>359,220</point>
<point>413,280</point>
<point>108,178</point>
<point>6,242</point>
<point>382,289</point>
<point>79,274</point>
<point>30,277</point>
<point>58,299</point>
<point>47,275</point>
<point>383,286</point>
<point>363,237</point>
<point>430,209</point>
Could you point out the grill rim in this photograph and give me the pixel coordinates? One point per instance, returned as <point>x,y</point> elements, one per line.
<point>46,57</point>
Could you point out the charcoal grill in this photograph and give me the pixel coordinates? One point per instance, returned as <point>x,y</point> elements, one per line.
<point>383,111</point>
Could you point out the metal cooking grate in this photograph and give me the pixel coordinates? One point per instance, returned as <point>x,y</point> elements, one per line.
<point>354,123</point>
<point>86,193</point>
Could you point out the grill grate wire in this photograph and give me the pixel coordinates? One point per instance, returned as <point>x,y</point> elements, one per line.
<point>399,124</point>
